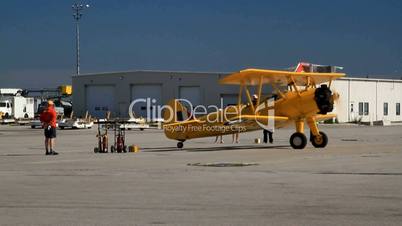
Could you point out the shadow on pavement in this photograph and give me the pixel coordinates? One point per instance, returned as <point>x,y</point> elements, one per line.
<point>216,148</point>
<point>22,154</point>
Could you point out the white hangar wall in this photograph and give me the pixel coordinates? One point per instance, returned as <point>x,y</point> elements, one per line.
<point>361,99</point>
<point>368,100</point>
<point>99,93</point>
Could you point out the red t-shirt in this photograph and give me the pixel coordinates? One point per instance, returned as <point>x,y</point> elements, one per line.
<point>48,116</point>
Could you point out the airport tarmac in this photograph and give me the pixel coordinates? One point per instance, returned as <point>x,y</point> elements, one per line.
<point>356,180</point>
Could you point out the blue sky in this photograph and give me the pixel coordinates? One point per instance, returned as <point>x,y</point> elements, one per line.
<point>37,45</point>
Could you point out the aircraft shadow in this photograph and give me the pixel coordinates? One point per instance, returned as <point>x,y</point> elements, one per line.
<point>20,155</point>
<point>215,148</point>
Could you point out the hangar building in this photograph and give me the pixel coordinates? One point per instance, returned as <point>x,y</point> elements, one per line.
<point>361,99</point>
<point>368,99</point>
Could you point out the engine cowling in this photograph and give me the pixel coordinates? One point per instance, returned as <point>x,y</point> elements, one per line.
<point>324,100</point>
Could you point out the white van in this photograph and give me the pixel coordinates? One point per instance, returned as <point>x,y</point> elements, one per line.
<point>6,108</point>
<point>17,107</point>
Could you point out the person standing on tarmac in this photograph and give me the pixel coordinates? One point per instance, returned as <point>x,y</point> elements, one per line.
<point>266,133</point>
<point>48,118</point>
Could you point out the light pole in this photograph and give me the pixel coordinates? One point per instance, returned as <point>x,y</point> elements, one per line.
<point>77,8</point>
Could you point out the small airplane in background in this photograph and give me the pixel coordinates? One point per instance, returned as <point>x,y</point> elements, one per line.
<point>302,96</point>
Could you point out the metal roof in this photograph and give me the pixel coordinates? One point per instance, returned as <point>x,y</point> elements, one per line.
<point>115,73</point>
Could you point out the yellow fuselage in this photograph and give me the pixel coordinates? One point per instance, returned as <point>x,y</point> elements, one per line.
<point>295,106</point>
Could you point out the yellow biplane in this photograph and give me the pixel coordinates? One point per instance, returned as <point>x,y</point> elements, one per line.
<point>299,98</point>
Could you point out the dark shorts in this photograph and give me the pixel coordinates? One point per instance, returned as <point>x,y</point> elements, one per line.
<point>50,133</point>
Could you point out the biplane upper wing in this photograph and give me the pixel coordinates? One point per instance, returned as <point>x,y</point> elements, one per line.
<point>281,78</point>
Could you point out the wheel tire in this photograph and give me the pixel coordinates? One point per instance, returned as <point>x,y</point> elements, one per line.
<point>320,143</point>
<point>32,127</point>
<point>26,116</point>
<point>180,145</point>
<point>6,116</point>
<point>112,149</point>
<point>298,140</point>
<point>96,150</point>
<point>142,129</point>
<point>61,127</point>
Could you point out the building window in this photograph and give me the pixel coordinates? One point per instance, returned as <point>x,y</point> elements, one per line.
<point>360,108</point>
<point>366,108</point>
<point>398,108</point>
<point>385,109</point>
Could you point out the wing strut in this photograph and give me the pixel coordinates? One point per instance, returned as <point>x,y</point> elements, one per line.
<point>240,95</point>
<point>293,84</point>
<point>277,90</point>
<point>259,92</point>
<point>249,98</point>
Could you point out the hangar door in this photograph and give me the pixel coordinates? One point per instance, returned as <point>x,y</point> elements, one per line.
<point>229,99</point>
<point>144,91</point>
<point>99,100</point>
<point>190,93</point>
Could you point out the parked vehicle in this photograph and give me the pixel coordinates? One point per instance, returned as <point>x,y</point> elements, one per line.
<point>62,107</point>
<point>75,124</point>
<point>17,107</point>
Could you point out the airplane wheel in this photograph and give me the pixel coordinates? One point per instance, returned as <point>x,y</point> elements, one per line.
<point>320,142</point>
<point>180,145</point>
<point>298,140</point>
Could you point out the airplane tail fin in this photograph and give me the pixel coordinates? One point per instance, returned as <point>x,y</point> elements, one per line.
<point>303,67</point>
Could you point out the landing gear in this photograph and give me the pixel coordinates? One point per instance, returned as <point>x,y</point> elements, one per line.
<point>180,145</point>
<point>319,141</point>
<point>298,140</point>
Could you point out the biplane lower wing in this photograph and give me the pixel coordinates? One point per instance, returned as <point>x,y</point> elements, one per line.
<point>320,118</point>
<point>183,123</point>
<point>263,119</point>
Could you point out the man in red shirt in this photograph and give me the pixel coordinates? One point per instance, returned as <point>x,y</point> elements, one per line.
<point>48,118</point>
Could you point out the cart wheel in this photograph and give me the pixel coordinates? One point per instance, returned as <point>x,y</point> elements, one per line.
<point>180,145</point>
<point>96,150</point>
<point>112,149</point>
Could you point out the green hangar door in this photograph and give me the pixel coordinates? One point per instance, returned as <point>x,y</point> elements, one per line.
<point>229,100</point>
<point>190,94</point>
<point>152,99</point>
<point>99,100</point>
